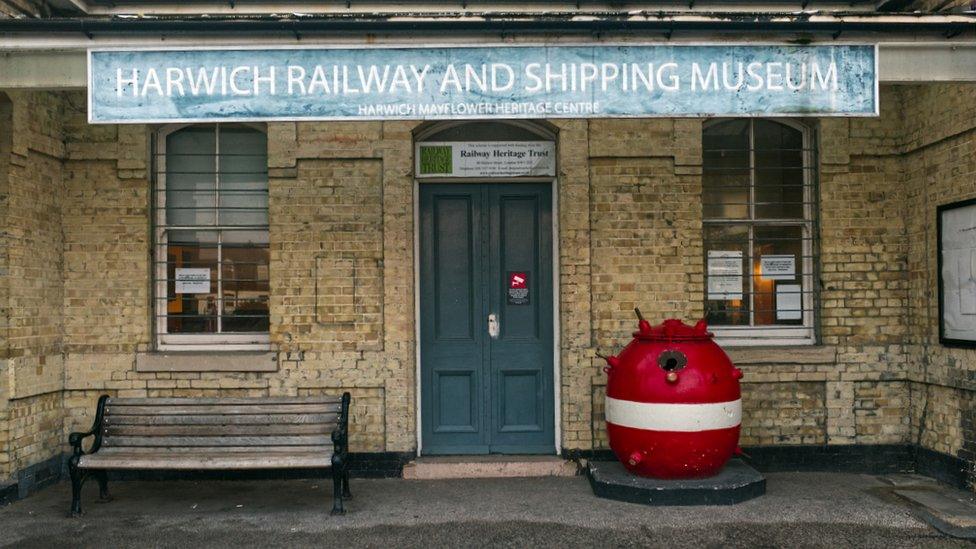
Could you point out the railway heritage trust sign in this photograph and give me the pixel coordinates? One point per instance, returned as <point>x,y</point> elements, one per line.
<point>141,86</point>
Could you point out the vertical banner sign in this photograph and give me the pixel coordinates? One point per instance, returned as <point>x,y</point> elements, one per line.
<point>518,288</point>
<point>434,83</point>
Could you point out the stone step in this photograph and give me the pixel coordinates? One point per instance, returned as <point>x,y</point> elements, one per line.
<point>448,467</point>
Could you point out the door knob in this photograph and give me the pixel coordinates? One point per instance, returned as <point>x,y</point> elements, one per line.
<point>493,326</point>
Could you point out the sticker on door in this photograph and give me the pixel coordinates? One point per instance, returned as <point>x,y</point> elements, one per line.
<point>518,288</point>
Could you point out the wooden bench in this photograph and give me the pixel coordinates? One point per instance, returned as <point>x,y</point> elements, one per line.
<point>193,434</point>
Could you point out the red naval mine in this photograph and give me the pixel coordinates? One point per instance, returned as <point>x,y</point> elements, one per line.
<point>673,405</point>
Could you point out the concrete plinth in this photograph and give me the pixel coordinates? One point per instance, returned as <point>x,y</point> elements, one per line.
<point>736,483</point>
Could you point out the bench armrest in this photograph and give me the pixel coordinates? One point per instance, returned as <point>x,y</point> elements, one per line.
<point>75,439</point>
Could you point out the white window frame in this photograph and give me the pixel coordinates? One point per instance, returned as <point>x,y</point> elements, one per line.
<point>755,336</point>
<point>165,341</point>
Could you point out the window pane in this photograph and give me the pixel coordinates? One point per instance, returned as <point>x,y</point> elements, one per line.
<point>190,310</point>
<point>243,176</point>
<point>726,178</point>
<point>766,183</point>
<point>245,237</point>
<point>726,286</point>
<point>217,280</point>
<point>779,171</point>
<point>190,176</point>
<point>245,289</point>
<point>191,237</point>
<point>778,270</point>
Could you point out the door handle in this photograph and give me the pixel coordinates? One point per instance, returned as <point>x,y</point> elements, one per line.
<point>493,327</point>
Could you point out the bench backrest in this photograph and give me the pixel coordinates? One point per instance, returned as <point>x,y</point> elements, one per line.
<point>273,424</point>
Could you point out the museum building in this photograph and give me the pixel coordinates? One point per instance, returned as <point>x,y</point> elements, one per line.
<point>451,210</point>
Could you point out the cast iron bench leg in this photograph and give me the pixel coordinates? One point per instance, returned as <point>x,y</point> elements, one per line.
<point>337,470</point>
<point>346,494</point>
<point>102,478</point>
<point>77,480</point>
<point>337,508</point>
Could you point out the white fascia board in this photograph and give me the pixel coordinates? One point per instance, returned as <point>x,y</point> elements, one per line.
<point>65,67</point>
<point>42,70</point>
<point>433,7</point>
<point>921,63</point>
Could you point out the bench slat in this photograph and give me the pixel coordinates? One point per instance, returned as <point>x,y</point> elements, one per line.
<point>204,401</point>
<point>204,461</point>
<point>162,442</point>
<point>216,430</point>
<point>222,409</point>
<point>320,449</point>
<point>329,419</point>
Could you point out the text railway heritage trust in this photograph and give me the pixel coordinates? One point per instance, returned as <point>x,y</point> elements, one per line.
<point>480,82</point>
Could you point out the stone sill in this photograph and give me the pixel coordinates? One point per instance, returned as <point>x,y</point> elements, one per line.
<point>744,356</point>
<point>232,361</point>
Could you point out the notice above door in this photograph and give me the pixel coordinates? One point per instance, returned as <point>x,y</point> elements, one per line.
<point>486,159</point>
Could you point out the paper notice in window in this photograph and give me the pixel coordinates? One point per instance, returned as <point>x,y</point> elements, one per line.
<point>724,275</point>
<point>777,267</point>
<point>192,281</point>
<point>967,282</point>
<point>789,302</point>
<point>958,276</point>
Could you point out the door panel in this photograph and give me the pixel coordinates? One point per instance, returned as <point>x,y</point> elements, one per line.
<point>456,394</point>
<point>520,360</point>
<point>481,394</point>
<point>454,235</point>
<point>452,306</point>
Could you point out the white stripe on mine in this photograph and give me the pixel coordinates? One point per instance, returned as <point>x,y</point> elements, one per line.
<point>687,418</point>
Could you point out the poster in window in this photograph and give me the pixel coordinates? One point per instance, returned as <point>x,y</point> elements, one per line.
<point>778,267</point>
<point>724,275</point>
<point>789,303</point>
<point>192,281</point>
<point>957,273</point>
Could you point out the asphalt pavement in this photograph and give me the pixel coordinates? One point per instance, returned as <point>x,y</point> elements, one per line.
<point>799,510</point>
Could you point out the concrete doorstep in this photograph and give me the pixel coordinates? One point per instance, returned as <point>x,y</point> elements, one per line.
<point>454,467</point>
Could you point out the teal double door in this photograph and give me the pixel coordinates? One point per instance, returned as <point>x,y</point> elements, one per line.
<point>486,318</point>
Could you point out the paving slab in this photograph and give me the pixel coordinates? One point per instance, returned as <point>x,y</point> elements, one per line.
<point>909,480</point>
<point>799,509</point>
<point>950,510</point>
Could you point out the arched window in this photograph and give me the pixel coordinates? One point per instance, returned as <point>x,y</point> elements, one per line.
<point>759,232</point>
<point>211,199</point>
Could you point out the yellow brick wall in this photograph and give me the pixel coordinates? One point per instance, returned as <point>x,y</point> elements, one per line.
<point>629,193</point>
<point>646,233</point>
<point>31,362</point>
<point>6,145</point>
<point>630,235</point>
<point>939,164</point>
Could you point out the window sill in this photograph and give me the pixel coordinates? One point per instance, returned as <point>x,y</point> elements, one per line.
<point>799,354</point>
<point>214,361</point>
